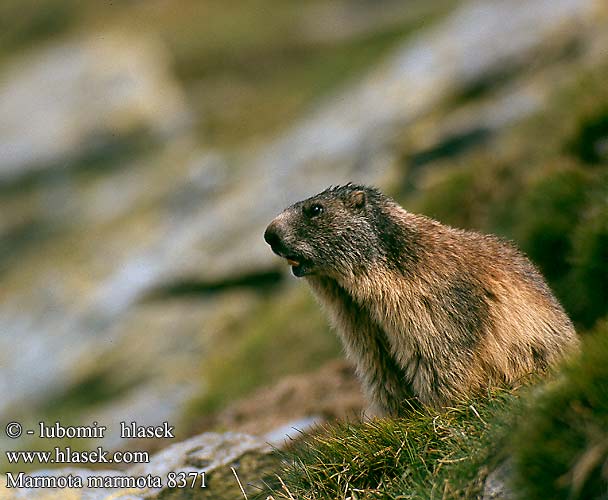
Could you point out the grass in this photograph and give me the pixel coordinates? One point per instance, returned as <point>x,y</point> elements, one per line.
<point>561,447</point>
<point>426,455</point>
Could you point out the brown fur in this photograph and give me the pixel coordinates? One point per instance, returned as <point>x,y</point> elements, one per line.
<point>425,311</point>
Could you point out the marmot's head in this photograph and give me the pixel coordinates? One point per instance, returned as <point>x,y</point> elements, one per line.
<point>330,234</point>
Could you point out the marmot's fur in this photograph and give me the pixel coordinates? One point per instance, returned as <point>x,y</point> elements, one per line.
<point>425,311</point>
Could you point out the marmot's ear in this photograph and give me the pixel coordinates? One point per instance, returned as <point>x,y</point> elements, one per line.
<point>357,199</point>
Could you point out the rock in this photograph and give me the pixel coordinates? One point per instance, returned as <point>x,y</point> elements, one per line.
<point>496,484</point>
<point>70,100</point>
<point>211,453</point>
<point>214,454</point>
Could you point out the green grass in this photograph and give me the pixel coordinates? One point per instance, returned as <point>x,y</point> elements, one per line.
<point>561,447</point>
<point>258,98</point>
<point>425,455</point>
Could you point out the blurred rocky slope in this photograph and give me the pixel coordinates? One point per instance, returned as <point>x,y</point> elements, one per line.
<point>130,248</point>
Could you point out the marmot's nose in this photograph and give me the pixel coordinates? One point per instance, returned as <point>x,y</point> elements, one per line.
<point>271,235</point>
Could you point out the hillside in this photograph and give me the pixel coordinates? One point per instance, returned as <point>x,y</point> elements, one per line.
<point>145,146</point>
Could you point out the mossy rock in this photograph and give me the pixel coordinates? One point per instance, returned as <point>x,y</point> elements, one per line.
<point>222,484</point>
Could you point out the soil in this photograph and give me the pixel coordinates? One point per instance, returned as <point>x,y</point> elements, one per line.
<point>333,392</point>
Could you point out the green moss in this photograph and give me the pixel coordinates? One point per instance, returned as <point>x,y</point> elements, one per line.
<point>561,447</point>
<point>221,484</point>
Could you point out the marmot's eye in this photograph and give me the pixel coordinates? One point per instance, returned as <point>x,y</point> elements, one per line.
<point>314,210</point>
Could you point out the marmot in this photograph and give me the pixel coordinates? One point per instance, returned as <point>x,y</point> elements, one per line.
<point>427,312</point>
